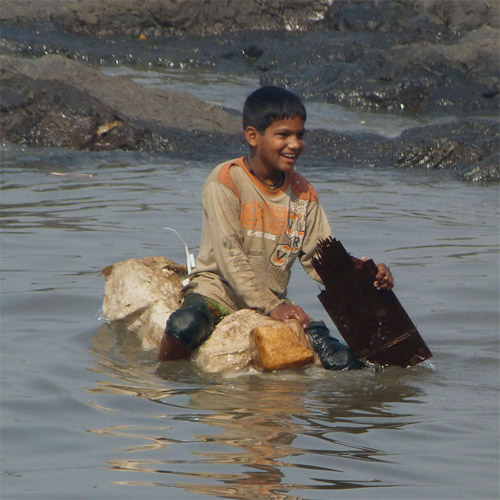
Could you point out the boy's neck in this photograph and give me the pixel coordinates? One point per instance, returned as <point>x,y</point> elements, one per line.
<point>272,182</point>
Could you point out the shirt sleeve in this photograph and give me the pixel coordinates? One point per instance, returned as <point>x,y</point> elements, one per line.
<point>222,216</point>
<point>317,228</point>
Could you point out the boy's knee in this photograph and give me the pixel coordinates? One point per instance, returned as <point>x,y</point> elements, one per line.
<point>190,325</point>
<point>186,329</point>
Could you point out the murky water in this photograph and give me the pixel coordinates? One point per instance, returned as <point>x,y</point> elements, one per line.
<point>84,414</point>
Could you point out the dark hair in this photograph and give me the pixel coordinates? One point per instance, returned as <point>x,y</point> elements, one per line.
<point>268,104</point>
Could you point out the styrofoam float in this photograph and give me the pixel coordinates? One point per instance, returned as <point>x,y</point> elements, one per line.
<point>140,295</point>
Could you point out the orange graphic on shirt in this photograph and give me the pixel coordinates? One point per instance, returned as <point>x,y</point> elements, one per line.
<point>281,255</point>
<point>258,215</point>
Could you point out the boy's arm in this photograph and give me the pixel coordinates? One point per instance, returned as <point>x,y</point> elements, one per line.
<point>222,216</point>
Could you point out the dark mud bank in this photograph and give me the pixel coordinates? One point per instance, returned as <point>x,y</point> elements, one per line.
<point>160,18</point>
<point>419,58</point>
<point>54,101</point>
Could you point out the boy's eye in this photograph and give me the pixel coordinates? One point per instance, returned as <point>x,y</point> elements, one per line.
<point>300,135</point>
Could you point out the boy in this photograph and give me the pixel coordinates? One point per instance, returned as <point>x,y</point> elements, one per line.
<point>259,216</point>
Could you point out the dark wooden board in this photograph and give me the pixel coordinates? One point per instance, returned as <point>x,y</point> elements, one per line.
<point>373,322</point>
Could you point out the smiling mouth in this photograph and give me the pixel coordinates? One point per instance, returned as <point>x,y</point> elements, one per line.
<point>290,156</point>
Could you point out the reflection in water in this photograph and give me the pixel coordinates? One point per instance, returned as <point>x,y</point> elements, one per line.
<point>252,436</point>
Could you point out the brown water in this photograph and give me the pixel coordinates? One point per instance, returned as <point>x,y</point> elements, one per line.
<point>84,414</point>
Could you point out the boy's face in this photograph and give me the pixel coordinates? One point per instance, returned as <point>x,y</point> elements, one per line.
<point>278,148</point>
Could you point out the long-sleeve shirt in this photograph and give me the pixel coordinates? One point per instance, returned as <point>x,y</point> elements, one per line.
<point>252,235</point>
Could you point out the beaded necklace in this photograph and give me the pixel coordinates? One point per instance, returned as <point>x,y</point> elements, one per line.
<point>273,187</point>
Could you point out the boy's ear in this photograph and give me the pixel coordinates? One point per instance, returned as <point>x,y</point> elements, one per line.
<point>252,136</point>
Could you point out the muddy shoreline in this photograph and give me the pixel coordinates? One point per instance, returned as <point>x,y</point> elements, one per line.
<point>419,58</point>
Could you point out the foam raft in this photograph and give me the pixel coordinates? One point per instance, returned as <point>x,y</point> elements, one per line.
<point>140,295</point>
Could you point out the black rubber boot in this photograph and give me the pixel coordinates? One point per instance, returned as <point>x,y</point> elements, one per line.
<point>192,324</point>
<point>332,353</point>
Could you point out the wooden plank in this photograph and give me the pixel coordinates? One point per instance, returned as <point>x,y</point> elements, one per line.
<point>373,322</point>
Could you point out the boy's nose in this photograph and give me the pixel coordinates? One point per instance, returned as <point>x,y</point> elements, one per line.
<point>294,143</point>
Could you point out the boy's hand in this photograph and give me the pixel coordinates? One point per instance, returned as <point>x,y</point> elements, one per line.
<point>384,279</point>
<point>284,312</point>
